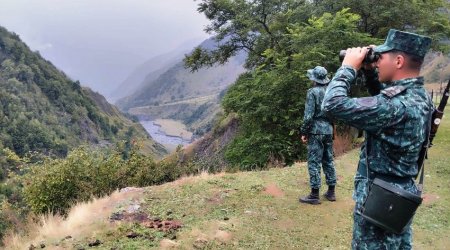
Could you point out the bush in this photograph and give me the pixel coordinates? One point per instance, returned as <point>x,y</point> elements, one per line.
<point>4,223</point>
<point>56,184</point>
<point>13,210</point>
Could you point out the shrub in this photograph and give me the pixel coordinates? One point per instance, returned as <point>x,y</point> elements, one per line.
<point>56,184</point>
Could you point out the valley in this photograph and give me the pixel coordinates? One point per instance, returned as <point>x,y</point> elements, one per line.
<point>169,133</point>
<point>157,125</point>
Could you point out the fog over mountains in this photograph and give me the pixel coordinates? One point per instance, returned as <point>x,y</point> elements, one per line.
<point>101,42</point>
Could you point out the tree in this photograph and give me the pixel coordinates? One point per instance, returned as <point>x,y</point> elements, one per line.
<point>377,17</point>
<point>253,26</point>
<point>258,25</point>
<point>270,102</point>
<point>285,38</point>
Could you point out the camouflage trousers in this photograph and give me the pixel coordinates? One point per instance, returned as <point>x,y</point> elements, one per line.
<point>368,236</point>
<point>320,155</point>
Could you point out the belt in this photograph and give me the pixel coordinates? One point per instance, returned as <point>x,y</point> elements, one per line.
<point>385,177</point>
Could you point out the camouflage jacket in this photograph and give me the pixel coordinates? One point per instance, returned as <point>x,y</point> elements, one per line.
<point>394,119</point>
<point>314,120</point>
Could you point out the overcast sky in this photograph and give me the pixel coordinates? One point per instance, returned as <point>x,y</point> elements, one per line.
<point>99,42</point>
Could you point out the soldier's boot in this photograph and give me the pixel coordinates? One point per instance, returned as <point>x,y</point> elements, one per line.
<point>330,194</point>
<point>312,198</point>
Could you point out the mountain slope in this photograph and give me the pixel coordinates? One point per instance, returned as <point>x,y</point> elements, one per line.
<point>192,97</point>
<point>178,83</point>
<point>42,110</point>
<point>249,210</point>
<point>148,71</point>
<point>130,130</point>
<point>436,68</point>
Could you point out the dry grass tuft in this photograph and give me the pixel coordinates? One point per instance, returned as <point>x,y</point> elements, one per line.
<point>83,219</point>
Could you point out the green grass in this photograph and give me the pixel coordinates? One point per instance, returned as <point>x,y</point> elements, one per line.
<point>432,222</point>
<point>234,211</point>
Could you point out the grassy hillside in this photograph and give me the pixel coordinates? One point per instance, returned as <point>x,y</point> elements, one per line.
<point>249,210</point>
<point>436,68</point>
<point>44,111</point>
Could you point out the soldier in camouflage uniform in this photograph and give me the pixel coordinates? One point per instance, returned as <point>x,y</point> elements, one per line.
<point>318,132</point>
<point>394,120</point>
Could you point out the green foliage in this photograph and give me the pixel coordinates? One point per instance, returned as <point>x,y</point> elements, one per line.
<point>270,103</point>
<point>252,26</point>
<point>315,43</point>
<point>377,17</point>
<point>267,121</point>
<point>13,209</point>
<point>42,184</point>
<point>4,223</point>
<point>284,39</point>
<point>42,110</point>
<point>255,26</point>
<point>56,184</point>
<point>11,163</point>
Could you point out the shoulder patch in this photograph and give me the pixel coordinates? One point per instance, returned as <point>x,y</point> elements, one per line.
<point>367,101</point>
<point>393,91</point>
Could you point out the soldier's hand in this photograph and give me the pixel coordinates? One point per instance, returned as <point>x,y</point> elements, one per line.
<point>354,57</point>
<point>304,139</point>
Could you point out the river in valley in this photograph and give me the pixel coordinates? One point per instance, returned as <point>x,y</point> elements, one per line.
<point>170,142</point>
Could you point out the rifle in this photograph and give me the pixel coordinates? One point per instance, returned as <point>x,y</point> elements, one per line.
<point>438,113</point>
<point>436,119</point>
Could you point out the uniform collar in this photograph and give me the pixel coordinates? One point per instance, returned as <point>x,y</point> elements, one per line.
<point>407,82</point>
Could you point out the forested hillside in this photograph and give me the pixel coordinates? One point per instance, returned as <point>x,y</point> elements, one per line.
<point>44,111</point>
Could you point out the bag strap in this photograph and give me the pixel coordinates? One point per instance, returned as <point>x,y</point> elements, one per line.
<point>367,159</point>
<point>361,209</point>
<point>426,145</point>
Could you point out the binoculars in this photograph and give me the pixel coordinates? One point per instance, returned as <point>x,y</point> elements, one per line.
<point>371,56</point>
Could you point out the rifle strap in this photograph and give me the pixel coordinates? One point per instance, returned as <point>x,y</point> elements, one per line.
<point>426,144</point>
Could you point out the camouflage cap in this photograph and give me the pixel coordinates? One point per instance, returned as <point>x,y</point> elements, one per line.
<point>318,74</point>
<point>404,41</point>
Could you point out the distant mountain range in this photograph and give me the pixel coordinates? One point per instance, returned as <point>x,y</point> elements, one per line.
<point>42,110</point>
<point>148,71</point>
<point>169,90</point>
